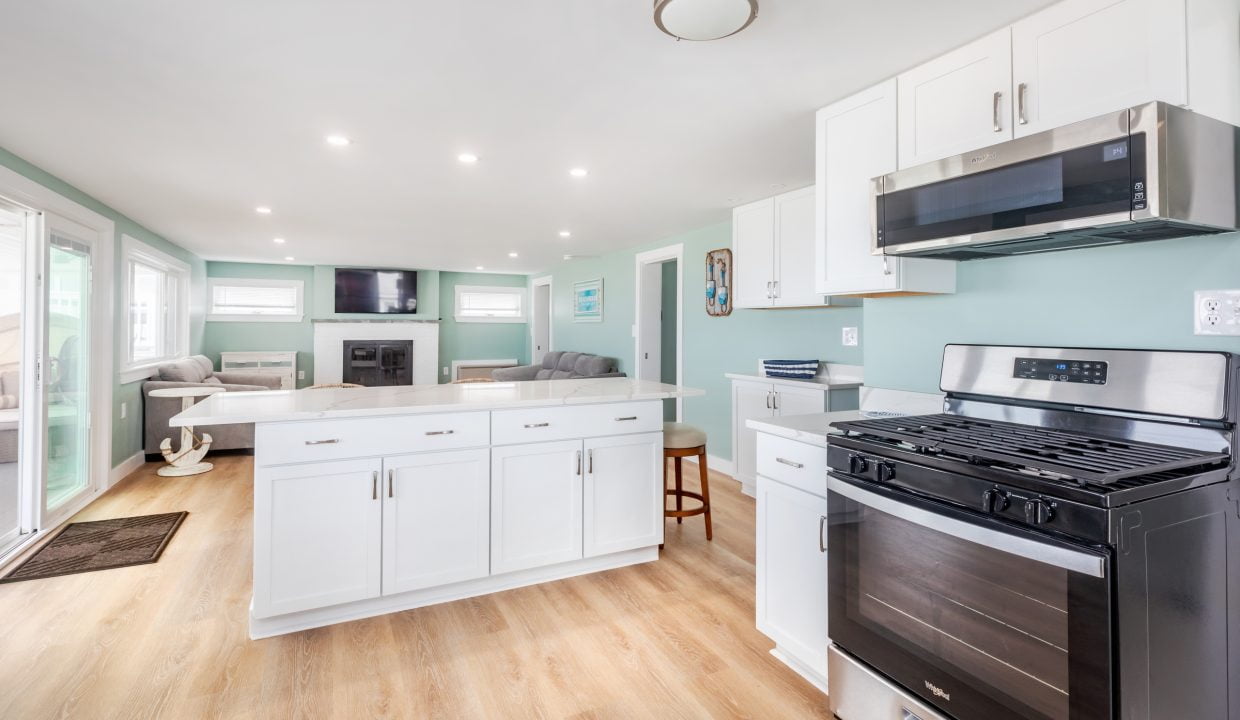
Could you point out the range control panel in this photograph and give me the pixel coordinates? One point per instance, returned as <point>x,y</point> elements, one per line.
<point>1077,371</point>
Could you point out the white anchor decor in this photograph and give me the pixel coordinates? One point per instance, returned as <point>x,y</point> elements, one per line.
<point>189,459</point>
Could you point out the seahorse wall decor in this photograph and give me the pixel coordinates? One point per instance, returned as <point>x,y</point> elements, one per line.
<point>719,282</point>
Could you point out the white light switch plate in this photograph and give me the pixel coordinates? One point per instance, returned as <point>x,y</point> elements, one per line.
<point>849,336</point>
<point>301,374</point>
<point>1216,312</point>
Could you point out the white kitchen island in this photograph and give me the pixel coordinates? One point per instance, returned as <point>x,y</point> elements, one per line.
<point>375,500</point>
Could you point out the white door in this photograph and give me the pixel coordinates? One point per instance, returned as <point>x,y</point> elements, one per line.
<point>753,254</point>
<point>1082,58</point>
<point>957,102</point>
<point>436,519</point>
<point>799,401</point>
<point>535,505</point>
<point>792,571</point>
<point>650,322</point>
<point>623,493</point>
<point>794,233</point>
<point>749,400</point>
<point>540,321</point>
<point>317,536</point>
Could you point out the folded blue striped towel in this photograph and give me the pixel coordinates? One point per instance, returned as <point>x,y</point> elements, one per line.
<point>795,369</point>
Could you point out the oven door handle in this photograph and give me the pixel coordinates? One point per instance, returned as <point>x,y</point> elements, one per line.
<point>1078,561</point>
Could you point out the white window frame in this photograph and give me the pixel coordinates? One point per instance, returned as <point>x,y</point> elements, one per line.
<point>299,285</point>
<point>498,289</point>
<point>134,250</point>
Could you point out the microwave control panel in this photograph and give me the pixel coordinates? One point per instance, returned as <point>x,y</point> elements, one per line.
<point>1054,370</point>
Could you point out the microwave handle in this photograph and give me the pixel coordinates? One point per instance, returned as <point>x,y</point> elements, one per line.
<point>1077,561</point>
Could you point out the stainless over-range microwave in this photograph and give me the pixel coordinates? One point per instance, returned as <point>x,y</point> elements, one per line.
<point>1150,172</point>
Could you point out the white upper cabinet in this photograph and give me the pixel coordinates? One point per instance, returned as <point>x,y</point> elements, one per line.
<point>957,102</point>
<point>856,141</point>
<point>773,250</point>
<point>1082,58</point>
<point>753,254</point>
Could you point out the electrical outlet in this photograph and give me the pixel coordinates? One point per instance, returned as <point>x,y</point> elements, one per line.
<point>445,371</point>
<point>1216,312</point>
<point>849,336</point>
<point>124,410</point>
<point>301,374</point>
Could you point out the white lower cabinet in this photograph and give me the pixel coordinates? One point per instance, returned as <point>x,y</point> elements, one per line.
<point>535,505</point>
<point>317,538</point>
<point>436,519</point>
<point>623,510</point>
<point>757,398</point>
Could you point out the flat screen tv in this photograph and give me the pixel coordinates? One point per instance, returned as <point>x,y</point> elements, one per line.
<point>376,291</point>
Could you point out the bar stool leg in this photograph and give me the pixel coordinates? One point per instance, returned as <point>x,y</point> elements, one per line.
<point>705,488</point>
<point>679,499</point>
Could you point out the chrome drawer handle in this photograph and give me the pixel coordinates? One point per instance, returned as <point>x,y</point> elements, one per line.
<point>822,521</point>
<point>789,463</point>
<point>323,442</point>
<point>631,417</point>
<point>537,425</point>
<point>441,432</point>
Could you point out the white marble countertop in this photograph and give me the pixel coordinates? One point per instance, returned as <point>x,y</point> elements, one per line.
<point>840,383</point>
<point>283,405</point>
<point>811,429</point>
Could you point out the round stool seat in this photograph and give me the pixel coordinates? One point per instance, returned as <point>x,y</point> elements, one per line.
<point>682,436</point>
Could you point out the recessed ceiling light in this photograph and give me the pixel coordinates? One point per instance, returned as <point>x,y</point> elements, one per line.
<point>513,255</point>
<point>338,140</point>
<point>289,258</point>
<point>565,233</point>
<point>479,267</point>
<point>467,158</point>
<point>262,210</point>
<point>278,241</point>
<point>579,172</point>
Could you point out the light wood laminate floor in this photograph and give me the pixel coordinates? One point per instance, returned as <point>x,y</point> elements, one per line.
<point>670,639</point>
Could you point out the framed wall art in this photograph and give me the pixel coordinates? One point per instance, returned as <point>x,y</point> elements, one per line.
<point>719,283</point>
<point>588,301</point>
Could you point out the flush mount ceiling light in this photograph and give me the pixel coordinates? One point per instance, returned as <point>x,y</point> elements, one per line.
<point>704,19</point>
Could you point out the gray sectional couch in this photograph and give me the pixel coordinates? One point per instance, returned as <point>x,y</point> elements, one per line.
<point>558,365</point>
<point>195,371</point>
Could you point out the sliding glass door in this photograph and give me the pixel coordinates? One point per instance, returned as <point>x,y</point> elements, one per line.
<point>16,233</point>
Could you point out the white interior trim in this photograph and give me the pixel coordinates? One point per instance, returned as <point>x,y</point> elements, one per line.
<point>298,285</point>
<point>661,255</point>
<point>134,249</point>
<point>458,364</point>
<point>126,467</point>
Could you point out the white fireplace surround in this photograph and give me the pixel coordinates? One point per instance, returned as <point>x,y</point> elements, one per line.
<point>329,340</point>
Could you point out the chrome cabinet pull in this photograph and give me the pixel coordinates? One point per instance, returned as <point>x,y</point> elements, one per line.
<point>775,395</point>
<point>578,462</point>
<point>775,288</point>
<point>768,400</point>
<point>443,432</point>
<point>623,419</point>
<point>391,471</point>
<point>333,441</point>
<point>537,425</point>
<point>1020,104</point>
<point>768,289</point>
<point>590,462</point>
<point>374,485</point>
<point>822,522</point>
<point>789,463</point>
<point>994,113</point>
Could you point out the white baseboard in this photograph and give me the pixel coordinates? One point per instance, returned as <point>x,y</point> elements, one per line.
<point>126,466</point>
<point>717,464</point>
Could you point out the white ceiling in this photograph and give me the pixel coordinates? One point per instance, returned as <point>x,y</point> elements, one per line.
<point>185,116</point>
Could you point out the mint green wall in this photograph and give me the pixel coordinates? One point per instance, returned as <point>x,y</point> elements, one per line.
<point>477,341</point>
<point>127,432</point>
<point>323,299</point>
<point>1117,296</point>
<point>240,336</point>
<point>713,346</point>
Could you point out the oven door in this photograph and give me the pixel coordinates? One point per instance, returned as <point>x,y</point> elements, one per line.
<point>979,617</point>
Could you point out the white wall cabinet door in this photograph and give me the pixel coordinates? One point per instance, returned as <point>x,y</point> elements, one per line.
<point>436,519</point>
<point>317,538</point>
<point>535,505</point>
<point>753,254</point>
<point>957,102</point>
<point>792,571</point>
<point>623,493</point>
<point>794,247</point>
<point>749,400</point>
<point>799,401</point>
<point>1081,58</point>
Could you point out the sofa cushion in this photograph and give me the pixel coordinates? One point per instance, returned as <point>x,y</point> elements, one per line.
<point>567,361</point>
<point>213,380</point>
<point>10,383</point>
<point>8,402</point>
<point>561,374</point>
<point>194,369</point>
<point>591,365</point>
<point>550,360</point>
<point>543,374</point>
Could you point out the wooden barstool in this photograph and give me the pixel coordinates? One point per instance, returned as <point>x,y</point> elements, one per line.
<point>682,441</point>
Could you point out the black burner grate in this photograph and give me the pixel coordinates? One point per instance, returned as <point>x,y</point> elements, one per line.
<point>1084,458</point>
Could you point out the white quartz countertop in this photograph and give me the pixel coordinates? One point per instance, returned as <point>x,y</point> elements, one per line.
<point>841,383</point>
<point>284,405</point>
<point>810,429</point>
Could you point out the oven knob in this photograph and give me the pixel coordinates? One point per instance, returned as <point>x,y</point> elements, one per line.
<point>857,464</point>
<point>1037,511</point>
<point>994,500</point>
<point>886,472</point>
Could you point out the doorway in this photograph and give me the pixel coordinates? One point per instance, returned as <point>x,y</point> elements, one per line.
<point>658,334</point>
<point>540,319</point>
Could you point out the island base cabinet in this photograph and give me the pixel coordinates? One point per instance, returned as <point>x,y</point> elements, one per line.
<point>436,519</point>
<point>792,575</point>
<point>535,505</point>
<point>623,502</point>
<point>317,537</point>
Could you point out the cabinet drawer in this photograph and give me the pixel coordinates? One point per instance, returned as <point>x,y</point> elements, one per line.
<point>509,427</point>
<point>797,464</point>
<point>314,440</point>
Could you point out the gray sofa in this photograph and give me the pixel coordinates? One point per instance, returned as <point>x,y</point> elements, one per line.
<point>559,365</point>
<point>195,371</point>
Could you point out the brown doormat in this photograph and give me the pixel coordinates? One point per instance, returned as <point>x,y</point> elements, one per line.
<point>100,545</point>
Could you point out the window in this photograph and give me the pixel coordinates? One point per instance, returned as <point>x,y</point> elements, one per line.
<point>475,303</point>
<point>244,300</point>
<point>156,308</point>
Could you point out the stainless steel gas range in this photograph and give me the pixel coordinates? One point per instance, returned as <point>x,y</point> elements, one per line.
<point>1062,542</point>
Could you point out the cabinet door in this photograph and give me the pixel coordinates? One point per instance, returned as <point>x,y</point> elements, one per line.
<point>957,102</point>
<point>794,245</point>
<point>623,493</point>
<point>1082,58</point>
<point>753,253</point>
<point>799,401</point>
<point>792,571</point>
<point>749,400</point>
<point>436,519</point>
<point>535,505</point>
<point>317,536</point>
